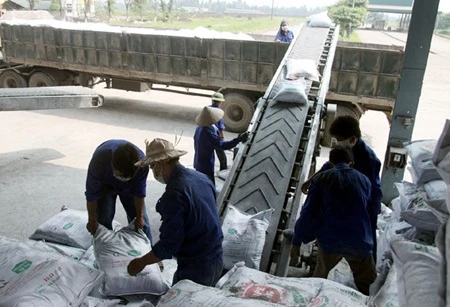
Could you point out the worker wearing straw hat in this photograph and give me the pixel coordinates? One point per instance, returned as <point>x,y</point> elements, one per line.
<point>217,99</point>
<point>207,138</point>
<point>190,229</point>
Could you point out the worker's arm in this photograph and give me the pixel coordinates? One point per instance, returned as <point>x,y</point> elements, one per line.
<point>139,203</point>
<point>92,216</point>
<point>138,264</point>
<point>307,183</point>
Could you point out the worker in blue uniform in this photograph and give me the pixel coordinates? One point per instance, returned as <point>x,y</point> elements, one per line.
<point>112,174</point>
<point>217,99</point>
<point>335,212</point>
<point>346,132</point>
<point>207,139</point>
<point>284,34</point>
<point>190,229</point>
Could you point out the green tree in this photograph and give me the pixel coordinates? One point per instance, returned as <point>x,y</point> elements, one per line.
<point>348,14</point>
<point>166,8</point>
<point>128,4</point>
<point>87,8</point>
<point>110,4</point>
<point>33,4</point>
<point>140,7</point>
<point>443,21</point>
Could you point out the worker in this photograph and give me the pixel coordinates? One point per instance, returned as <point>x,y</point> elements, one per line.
<point>112,173</point>
<point>190,229</point>
<point>217,99</point>
<point>284,34</point>
<point>207,139</point>
<point>335,212</point>
<point>346,132</point>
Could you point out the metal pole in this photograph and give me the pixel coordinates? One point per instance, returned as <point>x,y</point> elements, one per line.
<point>415,61</point>
<point>271,15</point>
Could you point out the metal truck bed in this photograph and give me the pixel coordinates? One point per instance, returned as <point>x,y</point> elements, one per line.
<point>39,98</point>
<point>283,141</point>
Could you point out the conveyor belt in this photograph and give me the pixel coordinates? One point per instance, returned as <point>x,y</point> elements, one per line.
<point>267,168</point>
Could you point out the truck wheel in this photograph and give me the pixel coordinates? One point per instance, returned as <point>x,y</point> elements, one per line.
<point>238,110</point>
<point>12,79</point>
<point>41,79</point>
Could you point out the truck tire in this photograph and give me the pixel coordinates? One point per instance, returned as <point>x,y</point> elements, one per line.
<point>41,79</point>
<point>12,79</point>
<point>238,109</point>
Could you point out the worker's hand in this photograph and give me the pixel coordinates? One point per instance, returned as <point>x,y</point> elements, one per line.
<point>139,222</point>
<point>92,226</point>
<point>243,137</point>
<point>305,186</point>
<point>135,266</point>
<point>295,251</point>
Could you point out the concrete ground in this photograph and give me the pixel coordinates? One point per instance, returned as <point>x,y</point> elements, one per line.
<point>44,154</point>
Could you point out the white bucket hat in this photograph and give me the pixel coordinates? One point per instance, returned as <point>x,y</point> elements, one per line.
<point>159,150</point>
<point>209,116</point>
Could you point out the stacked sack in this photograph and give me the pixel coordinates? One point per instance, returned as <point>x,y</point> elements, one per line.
<point>64,262</point>
<point>419,223</point>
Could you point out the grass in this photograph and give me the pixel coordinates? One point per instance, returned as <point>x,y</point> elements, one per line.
<point>354,38</point>
<point>445,32</point>
<point>224,23</point>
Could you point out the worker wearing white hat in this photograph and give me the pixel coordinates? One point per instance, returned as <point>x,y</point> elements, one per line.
<point>207,139</point>
<point>190,229</point>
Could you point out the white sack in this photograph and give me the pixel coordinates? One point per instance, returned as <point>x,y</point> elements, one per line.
<point>418,213</point>
<point>170,267</point>
<point>320,20</point>
<point>30,276</point>
<point>68,227</point>
<point>387,295</point>
<point>292,91</point>
<point>98,302</point>
<point>244,236</point>
<point>301,68</point>
<point>421,154</point>
<point>397,208</point>
<point>443,245</point>
<point>441,158</point>
<point>417,268</point>
<point>437,193</point>
<point>244,282</point>
<point>113,252</point>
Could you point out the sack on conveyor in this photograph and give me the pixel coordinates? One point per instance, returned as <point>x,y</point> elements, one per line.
<point>301,68</point>
<point>247,283</point>
<point>113,252</point>
<point>67,227</point>
<point>320,20</point>
<point>421,154</point>
<point>98,302</point>
<point>417,268</point>
<point>417,213</point>
<point>244,236</point>
<point>32,276</point>
<point>292,91</point>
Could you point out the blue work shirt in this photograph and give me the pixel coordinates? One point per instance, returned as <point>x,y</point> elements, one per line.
<point>206,139</point>
<point>100,174</point>
<point>190,229</point>
<point>367,163</point>
<point>220,125</point>
<point>335,212</point>
<point>284,37</point>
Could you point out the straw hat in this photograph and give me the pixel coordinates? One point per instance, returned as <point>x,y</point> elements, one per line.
<point>159,150</point>
<point>217,97</point>
<point>209,116</point>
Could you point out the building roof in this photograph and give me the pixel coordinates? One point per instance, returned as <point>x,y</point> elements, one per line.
<point>40,5</point>
<point>391,6</point>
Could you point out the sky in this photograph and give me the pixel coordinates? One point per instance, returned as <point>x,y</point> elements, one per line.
<point>444,5</point>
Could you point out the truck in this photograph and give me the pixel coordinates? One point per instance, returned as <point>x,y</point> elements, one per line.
<point>38,54</point>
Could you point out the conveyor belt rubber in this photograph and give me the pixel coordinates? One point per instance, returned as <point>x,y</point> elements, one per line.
<point>264,177</point>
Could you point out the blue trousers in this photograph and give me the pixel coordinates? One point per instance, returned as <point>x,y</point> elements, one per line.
<point>106,209</point>
<point>207,273</point>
